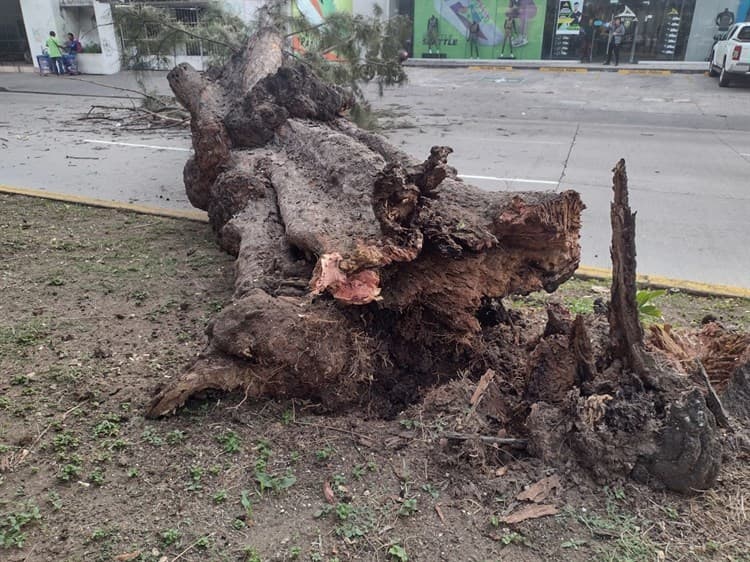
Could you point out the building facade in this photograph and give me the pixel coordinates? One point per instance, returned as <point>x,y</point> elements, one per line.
<point>25,26</point>
<point>570,29</point>
<point>454,29</point>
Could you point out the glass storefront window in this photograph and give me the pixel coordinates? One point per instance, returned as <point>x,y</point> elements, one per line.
<point>479,29</point>
<point>655,29</point>
<point>673,30</point>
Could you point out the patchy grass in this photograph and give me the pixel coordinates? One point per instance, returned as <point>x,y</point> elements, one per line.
<point>99,308</point>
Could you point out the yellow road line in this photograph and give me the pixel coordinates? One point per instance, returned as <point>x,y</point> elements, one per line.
<point>199,216</point>
<point>644,71</point>
<point>583,271</point>
<point>693,287</point>
<point>562,69</point>
<point>476,67</point>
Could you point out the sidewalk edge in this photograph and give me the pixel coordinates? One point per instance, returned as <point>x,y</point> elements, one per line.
<point>659,282</point>
<point>199,216</point>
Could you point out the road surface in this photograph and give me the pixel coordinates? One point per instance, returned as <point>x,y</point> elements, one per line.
<point>686,143</point>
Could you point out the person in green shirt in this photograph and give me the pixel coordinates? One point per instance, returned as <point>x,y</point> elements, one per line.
<point>53,50</point>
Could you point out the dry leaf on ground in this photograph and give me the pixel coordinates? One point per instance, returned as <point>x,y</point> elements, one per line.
<point>328,492</point>
<point>539,491</point>
<point>530,512</point>
<point>127,556</point>
<point>482,386</point>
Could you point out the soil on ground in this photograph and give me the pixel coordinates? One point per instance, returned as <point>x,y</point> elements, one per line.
<point>99,308</point>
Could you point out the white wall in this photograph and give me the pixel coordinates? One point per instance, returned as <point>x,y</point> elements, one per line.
<point>40,17</point>
<point>704,28</point>
<point>110,57</point>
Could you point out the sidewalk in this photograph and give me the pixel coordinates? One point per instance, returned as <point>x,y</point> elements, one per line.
<point>646,67</point>
<point>111,85</point>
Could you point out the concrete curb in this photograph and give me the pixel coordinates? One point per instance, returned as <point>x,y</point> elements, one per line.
<point>585,272</point>
<point>15,68</point>
<point>660,69</point>
<point>198,216</point>
<point>658,282</point>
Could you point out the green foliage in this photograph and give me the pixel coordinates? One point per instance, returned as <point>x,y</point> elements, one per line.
<point>151,437</point>
<point>325,453</point>
<point>196,473</point>
<point>54,499</point>
<point>573,543</point>
<point>203,543</point>
<point>408,507</point>
<point>65,441</point>
<point>153,35</point>
<point>645,307</point>
<point>247,505</point>
<point>97,477</point>
<point>346,49</point>
<point>170,536</point>
<point>230,441</point>
<point>72,469</point>
<point>398,553</point>
<point>12,524</point>
<point>351,49</point>
<point>107,428</point>
<point>513,538</point>
<point>251,555</point>
<point>430,489</point>
<point>273,482</point>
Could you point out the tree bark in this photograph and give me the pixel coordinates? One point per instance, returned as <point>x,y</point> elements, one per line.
<point>360,270</point>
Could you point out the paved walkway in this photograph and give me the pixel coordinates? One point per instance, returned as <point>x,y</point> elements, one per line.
<point>121,85</point>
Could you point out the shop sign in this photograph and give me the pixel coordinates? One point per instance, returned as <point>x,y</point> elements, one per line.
<point>569,17</point>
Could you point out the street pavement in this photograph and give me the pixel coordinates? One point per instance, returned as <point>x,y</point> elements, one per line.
<point>685,140</point>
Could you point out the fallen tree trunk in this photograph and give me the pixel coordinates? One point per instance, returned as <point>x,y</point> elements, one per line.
<point>360,271</point>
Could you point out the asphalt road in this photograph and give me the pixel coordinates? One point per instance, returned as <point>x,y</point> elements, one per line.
<point>686,143</point>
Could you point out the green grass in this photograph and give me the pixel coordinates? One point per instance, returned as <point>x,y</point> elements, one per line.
<point>13,525</point>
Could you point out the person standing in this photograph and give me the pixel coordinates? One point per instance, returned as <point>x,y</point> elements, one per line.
<point>586,37</point>
<point>70,60</point>
<point>55,55</point>
<point>616,34</point>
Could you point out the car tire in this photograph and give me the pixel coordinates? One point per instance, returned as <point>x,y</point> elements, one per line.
<point>711,70</point>
<point>724,77</point>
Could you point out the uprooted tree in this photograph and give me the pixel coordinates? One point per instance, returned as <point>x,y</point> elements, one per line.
<point>364,276</point>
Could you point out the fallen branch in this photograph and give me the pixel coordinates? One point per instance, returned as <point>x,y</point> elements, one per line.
<point>712,399</point>
<point>489,439</point>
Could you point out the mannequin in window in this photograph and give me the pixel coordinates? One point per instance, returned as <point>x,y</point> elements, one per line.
<point>433,34</point>
<point>509,30</point>
<point>473,38</point>
<point>725,19</point>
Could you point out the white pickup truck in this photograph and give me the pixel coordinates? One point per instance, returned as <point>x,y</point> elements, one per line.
<point>730,56</point>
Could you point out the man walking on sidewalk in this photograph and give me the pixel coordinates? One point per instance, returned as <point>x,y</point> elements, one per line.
<point>616,33</point>
<point>55,55</point>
